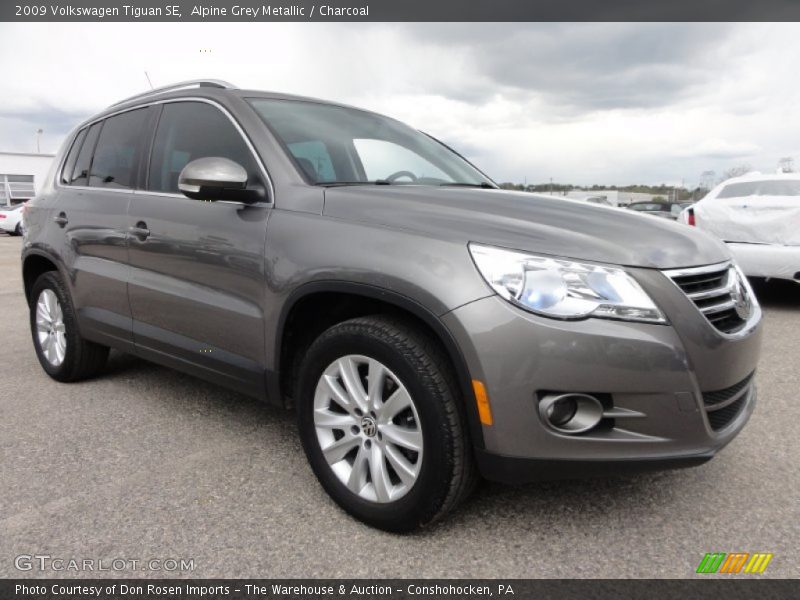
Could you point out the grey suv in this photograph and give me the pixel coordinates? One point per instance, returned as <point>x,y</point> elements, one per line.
<point>427,326</point>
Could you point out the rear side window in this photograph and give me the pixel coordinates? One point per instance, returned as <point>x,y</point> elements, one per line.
<point>79,174</point>
<point>188,131</point>
<point>72,157</point>
<point>114,163</point>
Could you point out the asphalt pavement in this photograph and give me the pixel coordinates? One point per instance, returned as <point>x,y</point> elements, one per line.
<point>145,463</point>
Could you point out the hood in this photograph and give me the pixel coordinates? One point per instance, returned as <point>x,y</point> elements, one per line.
<point>523,221</point>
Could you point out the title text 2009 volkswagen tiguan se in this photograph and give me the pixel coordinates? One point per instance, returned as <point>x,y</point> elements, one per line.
<point>427,326</point>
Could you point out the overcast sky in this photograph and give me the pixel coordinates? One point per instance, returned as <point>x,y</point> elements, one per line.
<point>581,103</point>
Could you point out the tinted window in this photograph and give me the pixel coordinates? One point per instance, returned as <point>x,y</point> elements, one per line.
<point>80,172</point>
<point>191,130</point>
<point>114,160</point>
<point>72,157</point>
<point>363,147</point>
<point>314,158</point>
<point>774,187</point>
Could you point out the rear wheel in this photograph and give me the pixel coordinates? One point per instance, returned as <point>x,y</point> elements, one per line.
<point>62,352</point>
<point>379,420</point>
<point>18,229</point>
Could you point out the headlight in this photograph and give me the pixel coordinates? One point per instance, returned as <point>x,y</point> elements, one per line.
<point>564,289</point>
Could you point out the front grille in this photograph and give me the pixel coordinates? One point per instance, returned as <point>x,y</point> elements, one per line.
<point>723,406</point>
<point>714,290</point>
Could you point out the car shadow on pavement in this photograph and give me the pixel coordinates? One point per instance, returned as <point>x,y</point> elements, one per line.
<point>777,293</point>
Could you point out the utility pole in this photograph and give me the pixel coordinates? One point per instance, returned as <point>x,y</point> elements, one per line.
<point>39,133</point>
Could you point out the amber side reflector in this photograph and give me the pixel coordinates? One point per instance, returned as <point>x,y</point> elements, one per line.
<point>482,399</point>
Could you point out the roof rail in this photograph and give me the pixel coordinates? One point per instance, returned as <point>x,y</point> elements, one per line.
<point>215,83</point>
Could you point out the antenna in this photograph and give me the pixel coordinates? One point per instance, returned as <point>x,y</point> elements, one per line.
<point>148,80</point>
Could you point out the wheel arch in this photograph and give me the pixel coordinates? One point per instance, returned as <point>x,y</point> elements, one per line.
<point>345,300</point>
<point>34,264</point>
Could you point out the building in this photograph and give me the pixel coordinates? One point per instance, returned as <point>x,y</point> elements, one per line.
<point>614,197</point>
<point>610,197</point>
<point>22,175</point>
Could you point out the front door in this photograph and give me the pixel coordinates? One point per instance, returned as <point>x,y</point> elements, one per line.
<point>196,285</point>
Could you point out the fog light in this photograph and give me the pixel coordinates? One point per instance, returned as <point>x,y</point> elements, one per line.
<point>571,413</point>
<point>562,410</point>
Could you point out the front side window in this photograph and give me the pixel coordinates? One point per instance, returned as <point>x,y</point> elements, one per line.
<point>192,130</point>
<point>361,147</point>
<point>114,162</point>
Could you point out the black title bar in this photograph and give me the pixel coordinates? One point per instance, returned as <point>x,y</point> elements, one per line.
<point>396,589</point>
<point>398,10</point>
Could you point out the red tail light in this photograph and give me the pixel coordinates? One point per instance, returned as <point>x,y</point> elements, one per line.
<point>690,218</point>
<point>2,216</point>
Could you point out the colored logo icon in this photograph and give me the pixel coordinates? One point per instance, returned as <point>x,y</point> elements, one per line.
<point>735,562</point>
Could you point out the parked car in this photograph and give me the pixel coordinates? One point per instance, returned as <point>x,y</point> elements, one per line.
<point>597,200</point>
<point>758,217</point>
<point>11,219</point>
<point>427,326</point>
<point>667,210</point>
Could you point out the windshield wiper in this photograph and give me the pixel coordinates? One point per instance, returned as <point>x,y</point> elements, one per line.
<point>343,183</point>
<point>483,185</point>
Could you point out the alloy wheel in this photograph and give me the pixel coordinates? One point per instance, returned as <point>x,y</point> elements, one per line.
<point>50,328</point>
<point>368,428</point>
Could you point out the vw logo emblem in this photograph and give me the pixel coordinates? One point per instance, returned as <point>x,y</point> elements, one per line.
<point>741,301</point>
<point>369,427</point>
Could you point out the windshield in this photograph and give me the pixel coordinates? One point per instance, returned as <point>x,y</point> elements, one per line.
<point>337,145</point>
<point>647,206</point>
<point>767,187</point>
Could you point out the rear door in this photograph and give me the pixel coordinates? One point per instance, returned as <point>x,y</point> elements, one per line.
<point>197,268</point>
<point>96,184</point>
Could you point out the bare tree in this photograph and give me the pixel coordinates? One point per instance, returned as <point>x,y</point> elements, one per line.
<point>707,179</point>
<point>786,164</point>
<point>737,171</point>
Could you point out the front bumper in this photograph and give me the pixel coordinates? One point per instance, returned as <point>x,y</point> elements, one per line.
<point>658,371</point>
<point>767,260</point>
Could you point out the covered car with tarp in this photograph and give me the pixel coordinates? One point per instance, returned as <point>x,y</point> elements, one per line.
<point>758,216</point>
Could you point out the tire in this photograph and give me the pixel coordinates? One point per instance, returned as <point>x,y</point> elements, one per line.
<point>79,358</point>
<point>412,362</point>
<point>18,229</point>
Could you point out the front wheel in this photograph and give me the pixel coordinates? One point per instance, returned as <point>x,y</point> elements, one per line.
<point>380,424</point>
<point>62,352</point>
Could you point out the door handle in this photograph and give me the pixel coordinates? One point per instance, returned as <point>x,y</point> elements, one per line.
<point>61,219</point>
<point>140,230</point>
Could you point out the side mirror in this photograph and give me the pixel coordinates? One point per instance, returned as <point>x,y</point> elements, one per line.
<point>217,178</point>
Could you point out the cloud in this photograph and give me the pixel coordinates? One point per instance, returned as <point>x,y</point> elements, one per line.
<point>610,103</point>
<point>586,66</point>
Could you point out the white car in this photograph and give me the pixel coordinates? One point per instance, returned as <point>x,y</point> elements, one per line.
<point>758,216</point>
<point>11,219</point>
